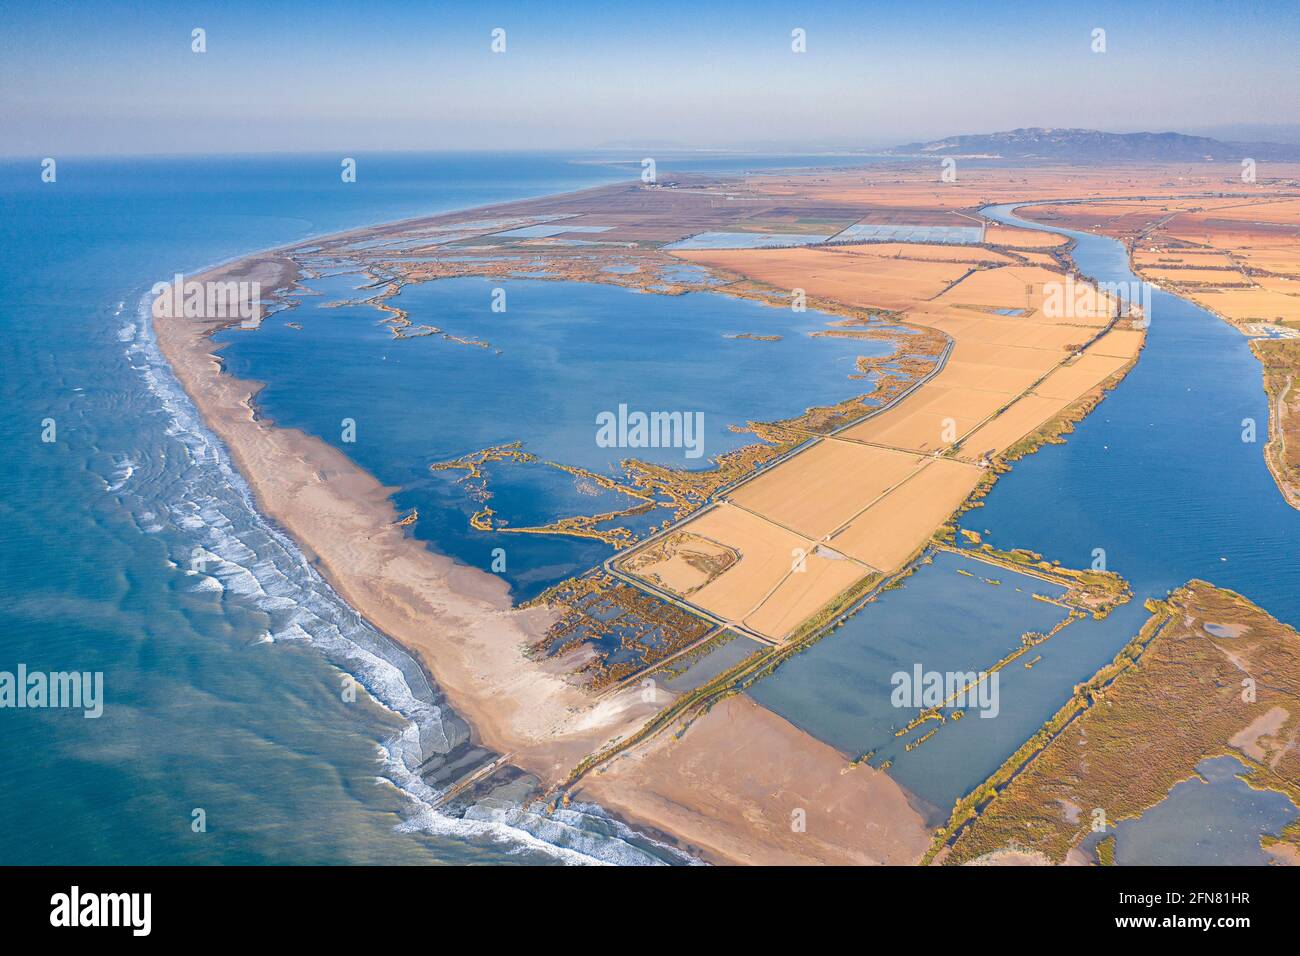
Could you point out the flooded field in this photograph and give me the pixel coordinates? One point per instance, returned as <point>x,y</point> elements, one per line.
<point>869,232</point>
<point>949,618</point>
<point>747,240</point>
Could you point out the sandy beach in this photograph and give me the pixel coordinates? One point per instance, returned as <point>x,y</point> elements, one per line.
<point>460,622</point>
<point>457,618</point>
<point>727,787</point>
<point>745,786</point>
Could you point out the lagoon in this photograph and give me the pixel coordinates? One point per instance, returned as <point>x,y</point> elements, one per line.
<point>1157,477</point>
<point>560,357</point>
<point>1213,819</point>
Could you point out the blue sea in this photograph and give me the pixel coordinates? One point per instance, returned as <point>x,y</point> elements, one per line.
<point>225,735</point>
<point>129,545</point>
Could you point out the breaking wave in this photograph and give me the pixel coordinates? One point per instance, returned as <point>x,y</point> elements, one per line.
<point>189,485</point>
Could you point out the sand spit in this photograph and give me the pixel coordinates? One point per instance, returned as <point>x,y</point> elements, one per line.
<point>457,618</point>
<point>733,784</point>
<point>460,622</point>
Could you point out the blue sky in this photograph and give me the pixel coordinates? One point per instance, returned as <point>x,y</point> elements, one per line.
<point>120,77</point>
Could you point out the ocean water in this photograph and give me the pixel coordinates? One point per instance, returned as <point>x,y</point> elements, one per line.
<point>128,546</point>
<point>560,355</point>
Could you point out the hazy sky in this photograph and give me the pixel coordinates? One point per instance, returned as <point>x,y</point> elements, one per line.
<point>121,77</point>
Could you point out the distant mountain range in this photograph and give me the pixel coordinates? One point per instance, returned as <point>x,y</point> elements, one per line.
<point>1095,146</point>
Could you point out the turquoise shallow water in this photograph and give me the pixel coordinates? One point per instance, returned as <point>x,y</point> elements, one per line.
<point>223,686</point>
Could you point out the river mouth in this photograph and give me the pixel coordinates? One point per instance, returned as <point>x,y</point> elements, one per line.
<point>558,339</point>
<point>542,371</point>
<point>197,621</point>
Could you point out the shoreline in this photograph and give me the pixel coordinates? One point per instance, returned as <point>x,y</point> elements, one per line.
<point>458,623</point>
<point>343,520</point>
<point>525,710</point>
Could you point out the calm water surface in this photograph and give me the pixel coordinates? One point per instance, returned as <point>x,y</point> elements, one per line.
<point>562,354</point>
<point>1157,476</point>
<point>131,548</point>
<point>1215,818</point>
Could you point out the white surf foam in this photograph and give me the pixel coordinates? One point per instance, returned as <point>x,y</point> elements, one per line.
<point>249,558</point>
<point>123,471</point>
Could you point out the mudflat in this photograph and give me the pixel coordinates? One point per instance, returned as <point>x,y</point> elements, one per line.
<point>746,786</point>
